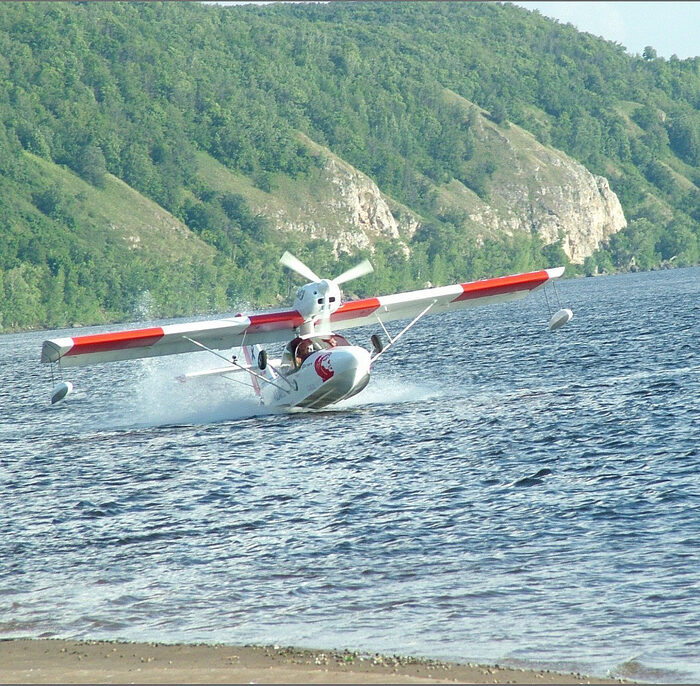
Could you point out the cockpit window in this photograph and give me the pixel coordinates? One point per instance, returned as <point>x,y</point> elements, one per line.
<point>333,341</point>
<point>298,349</point>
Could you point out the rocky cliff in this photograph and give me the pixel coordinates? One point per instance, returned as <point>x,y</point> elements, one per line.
<point>534,188</point>
<point>338,204</point>
<point>538,189</point>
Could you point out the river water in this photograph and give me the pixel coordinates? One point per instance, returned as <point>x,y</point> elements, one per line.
<point>498,493</point>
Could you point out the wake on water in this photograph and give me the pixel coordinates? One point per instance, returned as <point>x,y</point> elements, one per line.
<point>155,397</point>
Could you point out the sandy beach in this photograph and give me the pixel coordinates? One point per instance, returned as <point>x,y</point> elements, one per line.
<point>62,661</point>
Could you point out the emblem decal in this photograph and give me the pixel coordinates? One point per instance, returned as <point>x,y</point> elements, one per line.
<point>323,368</point>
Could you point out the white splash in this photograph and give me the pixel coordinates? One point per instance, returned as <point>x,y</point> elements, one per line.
<point>159,398</point>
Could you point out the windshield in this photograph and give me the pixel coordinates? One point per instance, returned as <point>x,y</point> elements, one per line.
<point>330,341</point>
<point>300,348</point>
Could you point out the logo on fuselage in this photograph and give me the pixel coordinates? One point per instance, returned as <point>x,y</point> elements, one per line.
<point>323,368</point>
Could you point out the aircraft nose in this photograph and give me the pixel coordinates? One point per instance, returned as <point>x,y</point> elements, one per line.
<point>350,363</point>
<point>352,356</point>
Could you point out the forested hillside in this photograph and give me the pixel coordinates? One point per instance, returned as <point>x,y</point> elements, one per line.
<point>114,117</point>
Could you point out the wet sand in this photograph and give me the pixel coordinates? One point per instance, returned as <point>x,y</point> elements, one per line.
<point>60,661</point>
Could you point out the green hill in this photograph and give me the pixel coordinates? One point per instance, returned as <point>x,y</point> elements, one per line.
<point>156,159</point>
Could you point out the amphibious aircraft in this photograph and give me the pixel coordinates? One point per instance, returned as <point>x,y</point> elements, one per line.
<point>319,366</point>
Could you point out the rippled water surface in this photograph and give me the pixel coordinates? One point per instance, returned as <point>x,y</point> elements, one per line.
<point>498,493</point>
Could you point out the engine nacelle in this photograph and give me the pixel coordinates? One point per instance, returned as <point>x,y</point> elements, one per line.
<point>318,299</point>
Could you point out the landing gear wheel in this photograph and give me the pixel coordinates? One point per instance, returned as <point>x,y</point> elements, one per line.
<point>262,359</point>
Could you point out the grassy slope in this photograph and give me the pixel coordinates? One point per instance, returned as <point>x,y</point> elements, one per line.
<point>118,213</point>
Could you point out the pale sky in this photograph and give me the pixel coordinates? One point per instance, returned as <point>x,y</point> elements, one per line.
<point>669,27</point>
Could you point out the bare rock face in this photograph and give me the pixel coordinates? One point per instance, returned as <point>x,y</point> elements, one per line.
<point>360,201</point>
<point>587,215</point>
<point>342,206</point>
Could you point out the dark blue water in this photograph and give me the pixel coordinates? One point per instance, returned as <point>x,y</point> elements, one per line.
<point>498,493</point>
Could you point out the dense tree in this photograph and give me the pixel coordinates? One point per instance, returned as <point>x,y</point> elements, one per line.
<point>684,136</point>
<point>91,165</point>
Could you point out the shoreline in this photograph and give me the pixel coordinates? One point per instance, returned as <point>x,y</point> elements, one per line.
<point>50,660</point>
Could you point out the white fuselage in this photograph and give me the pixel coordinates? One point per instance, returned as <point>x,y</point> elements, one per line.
<point>323,378</point>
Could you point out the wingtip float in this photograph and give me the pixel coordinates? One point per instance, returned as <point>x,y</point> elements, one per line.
<point>60,391</point>
<point>559,318</point>
<point>319,366</point>
<point>563,315</point>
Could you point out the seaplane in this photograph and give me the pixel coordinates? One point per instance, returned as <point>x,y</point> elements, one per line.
<point>318,366</point>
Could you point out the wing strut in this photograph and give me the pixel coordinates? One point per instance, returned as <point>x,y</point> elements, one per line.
<point>235,364</point>
<point>405,329</point>
<point>561,316</point>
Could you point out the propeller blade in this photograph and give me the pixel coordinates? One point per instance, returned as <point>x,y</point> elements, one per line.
<point>288,260</point>
<point>355,272</point>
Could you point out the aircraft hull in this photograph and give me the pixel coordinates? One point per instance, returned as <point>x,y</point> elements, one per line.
<point>324,378</point>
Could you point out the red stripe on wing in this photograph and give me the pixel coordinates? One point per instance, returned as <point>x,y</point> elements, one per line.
<point>274,321</point>
<point>501,285</point>
<point>355,309</point>
<point>121,340</point>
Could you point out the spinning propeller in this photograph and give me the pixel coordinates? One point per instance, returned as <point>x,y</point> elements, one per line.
<point>321,297</point>
<point>295,264</point>
<point>361,269</point>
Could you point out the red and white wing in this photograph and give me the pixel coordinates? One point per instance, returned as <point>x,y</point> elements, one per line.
<point>172,339</point>
<point>270,327</point>
<point>444,298</point>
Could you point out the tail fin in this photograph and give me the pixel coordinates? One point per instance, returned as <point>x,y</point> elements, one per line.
<point>251,353</point>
